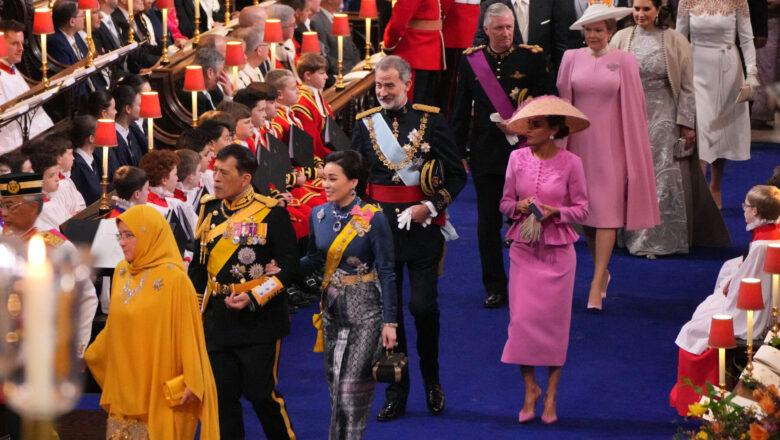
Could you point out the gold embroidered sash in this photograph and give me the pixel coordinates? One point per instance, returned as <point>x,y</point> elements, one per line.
<point>332,261</point>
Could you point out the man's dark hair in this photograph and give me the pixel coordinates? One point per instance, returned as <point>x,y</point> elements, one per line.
<point>124,96</point>
<point>245,160</point>
<point>44,145</point>
<point>134,81</point>
<point>354,167</point>
<point>211,130</point>
<point>295,4</point>
<point>96,102</point>
<point>249,97</point>
<point>11,26</point>
<point>14,160</point>
<point>83,127</point>
<point>128,180</point>
<point>63,11</point>
<point>191,139</point>
<point>42,161</point>
<point>60,143</point>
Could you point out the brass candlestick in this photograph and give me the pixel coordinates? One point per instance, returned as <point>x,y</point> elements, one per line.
<point>90,42</point>
<point>44,68</point>
<point>104,208</point>
<point>340,78</point>
<point>227,12</point>
<point>196,38</point>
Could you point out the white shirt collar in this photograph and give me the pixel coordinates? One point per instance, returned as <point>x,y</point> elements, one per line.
<point>122,131</point>
<point>87,157</point>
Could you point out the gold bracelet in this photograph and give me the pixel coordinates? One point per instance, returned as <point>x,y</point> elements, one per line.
<point>391,324</point>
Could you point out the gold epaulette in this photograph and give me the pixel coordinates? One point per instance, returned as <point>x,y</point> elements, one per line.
<point>368,112</point>
<point>267,201</point>
<point>207,198</point>
<point>533,48</point>
<point>425,108</point>
<point>302,109</point>
<point>473,49</point>
<point>52,239</point>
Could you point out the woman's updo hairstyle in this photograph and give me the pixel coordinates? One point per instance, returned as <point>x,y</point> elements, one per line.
<point>664,19</point>
<point>354,167</point>
<point>560,122</point>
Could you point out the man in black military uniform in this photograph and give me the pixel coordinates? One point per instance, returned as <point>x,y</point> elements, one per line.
<point>244,316</point>
<point>400,141</point>
<point>518,73</point>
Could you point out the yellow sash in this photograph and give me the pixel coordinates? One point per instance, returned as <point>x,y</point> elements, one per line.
<point>332,261</point>
<point>225,247</point>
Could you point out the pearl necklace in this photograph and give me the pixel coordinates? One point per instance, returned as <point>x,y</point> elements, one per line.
<point>599,53</point>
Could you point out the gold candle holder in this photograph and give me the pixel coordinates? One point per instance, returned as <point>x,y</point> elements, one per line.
<point>194,109</point>
<point>340,78</point>
<point>131,31</point>
<point>227,12</point>
<point>164,60</point>
<point>90,42</point>
<point>104,208</point>
<point>44,68</point>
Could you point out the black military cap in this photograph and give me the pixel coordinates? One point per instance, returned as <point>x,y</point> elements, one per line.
<point>22,184</point>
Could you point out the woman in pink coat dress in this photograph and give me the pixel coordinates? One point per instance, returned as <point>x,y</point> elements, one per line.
<point>551,183</point>
<point>615,150</point>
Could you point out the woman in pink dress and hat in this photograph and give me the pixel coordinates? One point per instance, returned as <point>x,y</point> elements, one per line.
<point>544,193</point>
<point>604,84</point>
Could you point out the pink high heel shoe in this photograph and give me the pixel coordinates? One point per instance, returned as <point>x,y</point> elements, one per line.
<point>604,292</point>
<point>549,420</point>
<point>524,417</point>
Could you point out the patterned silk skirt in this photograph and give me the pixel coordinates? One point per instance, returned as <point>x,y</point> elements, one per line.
<point>352,330</point>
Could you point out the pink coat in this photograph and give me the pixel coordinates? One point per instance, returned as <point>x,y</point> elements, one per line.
<point>615,149</point>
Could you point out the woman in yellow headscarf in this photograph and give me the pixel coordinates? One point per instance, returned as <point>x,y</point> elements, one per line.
<point>151,358</point>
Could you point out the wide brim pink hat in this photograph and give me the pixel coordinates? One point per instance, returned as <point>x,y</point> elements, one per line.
<point>548,105</point>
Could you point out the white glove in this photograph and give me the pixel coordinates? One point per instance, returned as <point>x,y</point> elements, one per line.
<point>511,138</point>
<point>405,219</point>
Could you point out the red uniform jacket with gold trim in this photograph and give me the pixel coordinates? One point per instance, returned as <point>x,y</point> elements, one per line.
<point>460,23</point>
<point>311,118</point>
<point>422,49</point>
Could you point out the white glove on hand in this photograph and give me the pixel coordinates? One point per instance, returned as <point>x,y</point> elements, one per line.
<point>752,81</point>
<point>511,138</point>
<point>405,219</point>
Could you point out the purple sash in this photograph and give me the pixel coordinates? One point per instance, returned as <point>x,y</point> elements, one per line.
<point>487,79</point>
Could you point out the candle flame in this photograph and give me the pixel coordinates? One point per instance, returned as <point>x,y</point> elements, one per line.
<point>36,252</point>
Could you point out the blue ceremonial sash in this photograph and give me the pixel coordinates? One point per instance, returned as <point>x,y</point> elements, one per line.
<point>392,150</point>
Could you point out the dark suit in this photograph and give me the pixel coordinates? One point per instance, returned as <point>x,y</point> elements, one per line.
<point>61,50</point>
<point>129,152</point>
<point>144,57</point>
<point>155,16</point>
<point>350,53</point>
<point>548,27</point>
<point>203,103</point>
<point>759,17</point>
<point>105,42</point>
<point>521,74</point>
<point>86,179</point>
<point>185,12</point>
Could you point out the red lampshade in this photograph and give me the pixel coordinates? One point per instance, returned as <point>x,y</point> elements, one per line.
<point>772,259</point>
<point>2,45</point>
<point>193,79</point>
<point>340,25</point>
<point>42,23</point>
<point>105,133</point>
<point>368,9</point>
<point>273,31</point>
<point>88,4</point>
<point>234,56</point>
<point>722,332</point>
<point>164,4</point>
<point>150,105</point>
<point>750,295</point>
<point>310,43</point>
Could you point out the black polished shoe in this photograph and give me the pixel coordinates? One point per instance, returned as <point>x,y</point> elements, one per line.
<point>391,410</point>
<point>434,399</point>
<point>494,301</point>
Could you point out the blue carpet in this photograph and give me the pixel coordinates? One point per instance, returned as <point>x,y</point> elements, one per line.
<point>621,365</point>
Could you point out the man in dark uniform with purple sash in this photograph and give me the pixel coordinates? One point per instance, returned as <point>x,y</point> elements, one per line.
<point>496,78</point>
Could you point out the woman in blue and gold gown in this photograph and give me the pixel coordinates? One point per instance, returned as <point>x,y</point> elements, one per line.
<point>350,241</point>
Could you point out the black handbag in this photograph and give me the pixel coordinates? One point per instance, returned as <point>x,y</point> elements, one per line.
<point>391,367</point>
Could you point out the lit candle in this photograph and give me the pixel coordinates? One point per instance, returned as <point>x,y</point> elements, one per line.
<point>38,318</point>
<point>89,23</point>
<point>105,163</point>
<point>750,326</point>
<point>775,283</point>
<point>150,130</point>
<point>341,47</point>
<point>368,32</point>
<point>235,78</point>
<point>722,368</point>
<point>197,8</point>
<point>194,109</point>
<point>43,49</point>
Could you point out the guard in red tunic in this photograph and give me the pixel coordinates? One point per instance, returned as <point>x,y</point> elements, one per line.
<point>459,25</point>
<point>414,34</point>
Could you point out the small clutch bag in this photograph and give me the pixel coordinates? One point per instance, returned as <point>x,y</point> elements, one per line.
<point>679,151</point>
<point>390,367</point>
<point>173,390</point>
